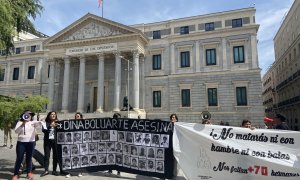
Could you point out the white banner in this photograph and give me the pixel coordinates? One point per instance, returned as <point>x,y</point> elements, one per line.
<point>232,153</point>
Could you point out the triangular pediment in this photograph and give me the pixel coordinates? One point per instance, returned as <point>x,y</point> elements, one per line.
<point>91,27</point>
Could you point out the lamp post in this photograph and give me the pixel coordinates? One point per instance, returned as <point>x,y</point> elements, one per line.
<point>128,108</point>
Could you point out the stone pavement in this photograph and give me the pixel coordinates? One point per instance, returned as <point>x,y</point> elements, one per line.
<point>8,157</point>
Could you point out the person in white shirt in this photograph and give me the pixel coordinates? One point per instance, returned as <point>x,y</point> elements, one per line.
<point>25,128</point>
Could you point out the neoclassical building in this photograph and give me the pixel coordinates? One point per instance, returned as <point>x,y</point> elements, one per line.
<point>184,66</point>
<point>281,83</point>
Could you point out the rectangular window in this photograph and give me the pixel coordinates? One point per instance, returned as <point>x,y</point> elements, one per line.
<point>156,35</point>
<point>184,30</point>
<point>212,96</point>
<point>211,57</point>
<point>156,98</point>
<point>48,71</point>
<point>2,72</point>
<point>238,54</point>
<point>209,26</point>
<point>18,50</point>
<point>241,96</point>
<point>32,48</point>
<point>30,74</point>
<point>16,74</point>
<point>237,23</point>
<point>185,59</point>
<point>185,98</point>
<point>156,62</point>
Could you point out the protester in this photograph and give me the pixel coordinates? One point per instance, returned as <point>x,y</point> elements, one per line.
<point>206,121</point>
<point>49,143</point>
<point>247,124</point>
<point>7,133</point>
<point>280,122</point>
<point>268,123</point>
<point>25,128</point>
<point>79,116</point>
<point>174,119</point>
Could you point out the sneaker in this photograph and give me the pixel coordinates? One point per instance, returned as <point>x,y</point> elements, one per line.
<point>4,145</point>
<point>69,175</point>
<point>118,173</point>
<point>64,173</point>
<point>80,174</point>
<point>55,173</point>
<point>15,177</point>
<point>45,173</point>
<point>29,175</point>
<point>11,146</point>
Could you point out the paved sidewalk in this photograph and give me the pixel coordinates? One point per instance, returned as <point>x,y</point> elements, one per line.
<point>8,157</point>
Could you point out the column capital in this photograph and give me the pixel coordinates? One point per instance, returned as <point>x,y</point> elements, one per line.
<point>117,53</point>
<point>135,53</point>
<point>67,59</point>
<point>100,55</point>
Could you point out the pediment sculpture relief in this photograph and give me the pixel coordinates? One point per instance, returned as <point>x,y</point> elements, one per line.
<point>92,30</point>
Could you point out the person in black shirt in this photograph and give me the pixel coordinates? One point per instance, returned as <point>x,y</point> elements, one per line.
<point>280,122</point>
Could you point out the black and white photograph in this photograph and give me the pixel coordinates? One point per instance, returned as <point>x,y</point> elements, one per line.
<point>102,159</point>
<point>66,163</point>
<point>134,162</point>
<point>60,138</point>
<point>102,147</point>
<point>95,136</point>
<point>84,161</point>
<point>84,149</point>
<point>87,136</point>
<point>160,166</point>
<point>150,152</point>
<point>126,148</point>
<point>146,139</point>
<point>110,158</point>
<point>160,153</point>
<point>75,162</point>
<point>126,161</point>
<point>118,147</point>
<point>142,151</point>
<point>93,160</point>
<point>164,140</point>
<point>134,151</point>
<point>138,138</point>
<point>68,138</point>
<point>155,140</point>
<point>74,149</point>
<point>77,137</point>
<point>113,135</point>
<point>119,159</point>
<point>129,137</point>
<point>93,148</point>
<point>143,164</point>
<point>111,147</point>
<point>150,165</point>
<point>105,135</point>
<point>121,136</point>
<point>65,150</point>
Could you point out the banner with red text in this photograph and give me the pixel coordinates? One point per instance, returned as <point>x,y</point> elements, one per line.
<point>232,153</point>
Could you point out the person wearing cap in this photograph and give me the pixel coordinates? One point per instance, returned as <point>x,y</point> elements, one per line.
<point>25,128</point>
<point>268,123</point>
<point>280,122</point>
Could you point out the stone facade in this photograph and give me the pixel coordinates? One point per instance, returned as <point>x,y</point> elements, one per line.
<point>281,83</point>
<point>184,66</point>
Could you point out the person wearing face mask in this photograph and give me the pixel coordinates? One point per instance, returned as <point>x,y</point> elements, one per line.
<point>25,128</point>
<point>49,143</point>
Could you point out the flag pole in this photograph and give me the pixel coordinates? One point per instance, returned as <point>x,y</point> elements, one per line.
<point>102,7</point>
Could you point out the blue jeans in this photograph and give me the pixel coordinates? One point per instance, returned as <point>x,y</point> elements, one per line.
<point>24,147</point>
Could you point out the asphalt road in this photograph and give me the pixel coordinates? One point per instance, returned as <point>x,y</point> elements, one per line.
<point>8,157</point>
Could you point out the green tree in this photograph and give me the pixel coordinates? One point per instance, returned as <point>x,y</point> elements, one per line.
<point>11,108</point>
<point>15,17</point>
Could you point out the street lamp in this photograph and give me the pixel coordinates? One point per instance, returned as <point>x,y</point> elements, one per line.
<point>128,108</point>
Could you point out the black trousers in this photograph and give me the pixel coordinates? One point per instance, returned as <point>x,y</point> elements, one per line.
<point>48,145</point>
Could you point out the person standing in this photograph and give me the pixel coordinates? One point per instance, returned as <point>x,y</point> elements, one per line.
<point>280,122</point>
<point>49,143</point>
<point>7,134</point>
<point>25,128</point>
<point>79,116</point>
<point>174,119</point>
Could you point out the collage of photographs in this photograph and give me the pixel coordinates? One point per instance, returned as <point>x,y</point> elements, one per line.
<point>135,150</point>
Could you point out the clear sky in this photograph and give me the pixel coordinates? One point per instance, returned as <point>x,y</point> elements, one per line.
<point>58,14</point>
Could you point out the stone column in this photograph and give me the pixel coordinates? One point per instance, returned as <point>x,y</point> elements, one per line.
<point>172,58</point>
<point>100,93</point>
<point>51,85</point>
<point>117,82</point>
<point>23,72</point>
<point>224,55</point>
<point>65,95</point>
<point>197,46</point>
<point>254,52</point>
<point>81,85</point>
<point>136,83</point>
<point>7,72</point>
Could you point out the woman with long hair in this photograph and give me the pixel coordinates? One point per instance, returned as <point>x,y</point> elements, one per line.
<point>50,143</point>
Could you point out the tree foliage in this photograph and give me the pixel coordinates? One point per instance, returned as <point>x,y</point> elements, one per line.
<point>15,16</point>
<point>11,108</point>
